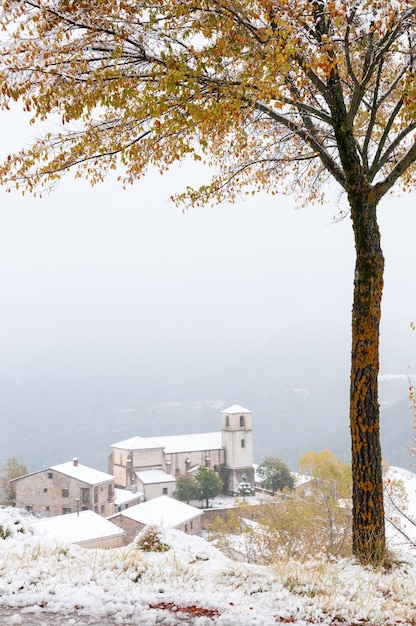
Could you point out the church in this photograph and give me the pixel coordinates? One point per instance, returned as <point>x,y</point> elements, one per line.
<point>151,465</point>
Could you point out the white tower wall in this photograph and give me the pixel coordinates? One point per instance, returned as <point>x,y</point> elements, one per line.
<point>237,441</point>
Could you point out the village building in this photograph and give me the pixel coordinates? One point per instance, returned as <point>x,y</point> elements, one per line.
<point>124,498</point>
<point>152,464</point>
<point>65,488</point>
<point>163,512</point>
<point>86,529</point>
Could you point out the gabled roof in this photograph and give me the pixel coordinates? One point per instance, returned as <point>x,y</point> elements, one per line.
<point>235,408</point>
<point>138,443</point>
<point>190,443</point>
<point>163,511</point>
<point>83,473</point>
<point>172,444</point>
<point>151,477</point>
<point>77,527</point>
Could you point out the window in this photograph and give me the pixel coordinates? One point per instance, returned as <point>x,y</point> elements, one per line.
<point>186,528</point>
<point>242,420</point>
<point>192,525</point>
<point>29,508</point>
<point>102,509</point>
<point>187,464</point>
<point>65,493</point>
<point>50,474</point>
<point>47,509</point>
<point>207,462</point>
<point>227,421</point>
<point>243,443</point>
<point>165,491</point>
<point>215,468</point>
<point>110,492</point>
<point>85,494</point>
<point>45,490</point>
<point>66,511</point>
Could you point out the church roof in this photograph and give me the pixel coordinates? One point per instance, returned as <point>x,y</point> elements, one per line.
<point>190,443</point>
<point>138,443</point>
<point>172,444</point>
<point>235,408</point>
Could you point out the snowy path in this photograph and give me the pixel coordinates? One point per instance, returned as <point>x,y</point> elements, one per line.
<point>28,617</point>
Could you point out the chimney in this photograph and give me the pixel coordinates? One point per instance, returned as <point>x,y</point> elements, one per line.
<point>75,461</point>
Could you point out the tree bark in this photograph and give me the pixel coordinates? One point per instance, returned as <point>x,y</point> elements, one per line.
<point>368,531</point>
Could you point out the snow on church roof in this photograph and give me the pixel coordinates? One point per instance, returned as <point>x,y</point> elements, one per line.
<point>173,443</point>
<point>190,443</point>
<point>137,443</point>
<point>235,408</point>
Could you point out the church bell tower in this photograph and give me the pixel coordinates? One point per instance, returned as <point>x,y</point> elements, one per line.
<point>237,441</point>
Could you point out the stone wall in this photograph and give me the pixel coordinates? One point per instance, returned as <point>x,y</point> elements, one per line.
<point>50,493</point>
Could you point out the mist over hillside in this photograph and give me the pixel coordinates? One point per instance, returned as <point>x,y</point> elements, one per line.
<point>296,385</point>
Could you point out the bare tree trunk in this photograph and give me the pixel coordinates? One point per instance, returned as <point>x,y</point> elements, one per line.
<point>368,532</point>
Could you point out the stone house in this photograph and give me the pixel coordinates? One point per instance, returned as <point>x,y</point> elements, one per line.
<point>163,512</point>
<point>228,453</point>
<point>65,488</point>
<point>154,483</point>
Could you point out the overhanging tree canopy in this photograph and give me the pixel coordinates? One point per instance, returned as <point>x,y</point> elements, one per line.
<point>275,95</point>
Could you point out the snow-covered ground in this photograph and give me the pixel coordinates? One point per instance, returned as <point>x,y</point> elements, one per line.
<point>43,582</point>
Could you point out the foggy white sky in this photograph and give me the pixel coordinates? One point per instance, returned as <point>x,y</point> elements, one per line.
<point>102,266</point>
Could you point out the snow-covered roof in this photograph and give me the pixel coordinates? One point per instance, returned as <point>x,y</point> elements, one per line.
<point>235,408</point>
<point>122,496</point>
<point>83,473</point>
<point>174,443</point>
<point>190,443</point>
<point>77,528</point>
<point>137,443</point>
<point>150,477</point>
<point>163,511</point>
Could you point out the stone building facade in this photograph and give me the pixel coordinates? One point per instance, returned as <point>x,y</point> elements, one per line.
<point>65,488</point>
